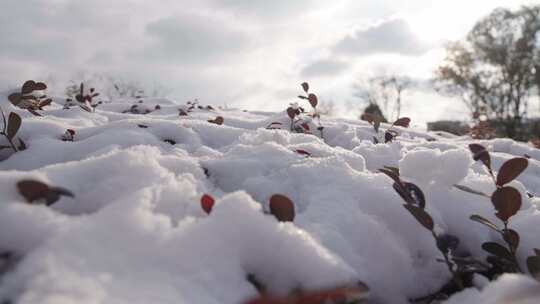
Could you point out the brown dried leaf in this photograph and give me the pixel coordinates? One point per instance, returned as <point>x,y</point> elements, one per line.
<point>497,250</point>
<point>507,202</point>
<point>511,169</point>
<point>32,190</point>
<point>305,86</point>
<point>40,86</point>
<point>402,122</point>
<point>303,152</point>
<point>313,100</point>
<point>15,98</point>
<point>14,123</point>
<point>512,238</point>
<point>480,153</point>
<point>291,112</point>
<point>28,87</point>
<point>282,208</point>
<point>45,102</point>
<point>218,120</point>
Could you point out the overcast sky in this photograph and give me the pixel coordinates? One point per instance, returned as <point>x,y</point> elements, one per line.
<point>250,54</point>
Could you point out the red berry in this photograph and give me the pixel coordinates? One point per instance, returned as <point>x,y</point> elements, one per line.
<point>207,202</point>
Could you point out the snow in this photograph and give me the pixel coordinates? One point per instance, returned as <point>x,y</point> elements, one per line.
<point>135,231</point>
<point>510,288</point>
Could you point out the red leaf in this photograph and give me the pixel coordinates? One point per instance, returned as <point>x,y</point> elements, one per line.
<point>511,169</point>
<point>507,202</point>
<point>207,202</point>
<point>32,189</point>
<point>302,152</point>
<point>282,208</point>
<point>480,153</point>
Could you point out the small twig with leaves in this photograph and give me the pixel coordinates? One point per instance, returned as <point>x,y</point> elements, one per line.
<point>10,128</point>
<point>313,101</point>
<point>507,201</point>
<point>390,134</point>
<point>86,101</point>
<point>415,203</point>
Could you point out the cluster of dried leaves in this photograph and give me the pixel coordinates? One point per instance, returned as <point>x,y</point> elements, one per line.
<point>506,201</point>
<point>390,134</point>
<point>31,97</point>
<point>300,119</point>
<point>69,135</point>
<point>191,106</point>
<point>85,100</point>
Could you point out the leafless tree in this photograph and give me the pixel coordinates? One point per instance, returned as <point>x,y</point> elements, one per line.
<point>386,92</point>
<point>494,69</point>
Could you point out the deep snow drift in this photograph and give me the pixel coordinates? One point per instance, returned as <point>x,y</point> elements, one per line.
<point>135,231</point>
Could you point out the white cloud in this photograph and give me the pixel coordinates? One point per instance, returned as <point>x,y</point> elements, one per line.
<point>247,53</point>
<point>390,36</point>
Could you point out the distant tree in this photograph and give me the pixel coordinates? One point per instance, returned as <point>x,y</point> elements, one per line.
<point>494,69</point>
<point>374,109</point>
<point>386,92</point>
